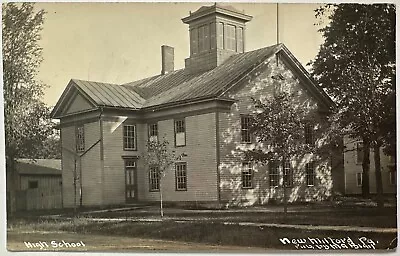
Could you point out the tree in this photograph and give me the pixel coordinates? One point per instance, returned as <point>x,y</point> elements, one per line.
<point>160,159</point>
<point>278,124</point>
<point>356,66</point>
<point>50,148</point>
<point>26,123</point>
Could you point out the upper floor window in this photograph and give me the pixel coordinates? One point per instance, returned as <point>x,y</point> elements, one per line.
<point>80,138</point>
<point>359,179</point>
<point>230,37</point>
<point>310,174</point>
<point>360,153</point>
<point>240,46</point>
<point>247,175</point>
<point>154,179</point>
<point>245,129</point>
<point>287,174</point>
<point>273,174</point>
<point>129,137</point>
<point>153,132</point>
<point>308,134</point>
<point>180,133</point>
<point>193,38</point>
<point>181,176</point>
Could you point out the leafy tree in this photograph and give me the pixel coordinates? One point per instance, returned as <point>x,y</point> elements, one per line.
<point>160,158</point>
<point>50,148</point>
<point>356,66</point>
<point>278,124</point>
<point>26,123</point>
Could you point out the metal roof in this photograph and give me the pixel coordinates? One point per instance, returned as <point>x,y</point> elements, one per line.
<point>39,166</point>
<point>111,95</point>
<point>182,85</point>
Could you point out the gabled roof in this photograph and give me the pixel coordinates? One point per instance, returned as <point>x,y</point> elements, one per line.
<point>39,166</point>
<point>184,86</point>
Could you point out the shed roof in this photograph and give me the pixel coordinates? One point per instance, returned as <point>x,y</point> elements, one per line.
<point>39,166</point>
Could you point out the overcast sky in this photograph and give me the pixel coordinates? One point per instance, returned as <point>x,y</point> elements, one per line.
<point>120,42</point>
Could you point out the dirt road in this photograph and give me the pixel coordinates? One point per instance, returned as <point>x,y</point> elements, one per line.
<point>66,241</point>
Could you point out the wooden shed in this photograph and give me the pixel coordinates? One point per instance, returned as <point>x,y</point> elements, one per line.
<point>39,184</point>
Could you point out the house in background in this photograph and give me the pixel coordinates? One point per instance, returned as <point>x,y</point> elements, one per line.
<point>204,111</point>
<point>39,184</point>
<point>353,158</point>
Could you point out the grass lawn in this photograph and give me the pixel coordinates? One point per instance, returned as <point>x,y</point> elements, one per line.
<point>350,216</point>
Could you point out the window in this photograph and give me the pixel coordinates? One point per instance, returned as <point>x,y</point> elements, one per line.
<point>181,176</point>
<point>359,179</point>
<point>230,37</point>
<point>80,139</point>
<point>240,46</point>
<point>247,175</point>
<point>287,174</point>
<point>245,129</point>
<point>154,179</point>
<point>204,38</point>
<point>273,174</point>
<point>153,132</point>
<point>392,175</point>
<point>212,35</point>
<point>180,133</point>
<point>129,137</point>
<point>220,31</point>
<point>308,134</point>
<point>360,153</point>
<point>193,37</point>
<point>310,174</point>
<point>33,184</point>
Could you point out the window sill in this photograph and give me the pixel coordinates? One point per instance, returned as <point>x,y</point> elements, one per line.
<point>154,190</point>
<point>247,188</point>
<point>130,149</point>
<point>180,189</point>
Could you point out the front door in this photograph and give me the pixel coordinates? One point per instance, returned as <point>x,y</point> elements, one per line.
<point>130,180</point>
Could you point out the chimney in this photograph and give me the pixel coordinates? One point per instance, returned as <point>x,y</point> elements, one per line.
<point>167,59</point>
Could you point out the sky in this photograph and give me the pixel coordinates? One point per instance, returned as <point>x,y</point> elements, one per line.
<point>120,42</point>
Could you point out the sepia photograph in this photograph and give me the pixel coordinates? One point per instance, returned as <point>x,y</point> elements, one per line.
<point>213,127</point>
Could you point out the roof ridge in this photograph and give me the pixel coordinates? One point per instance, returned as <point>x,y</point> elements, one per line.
<point>91,81</point>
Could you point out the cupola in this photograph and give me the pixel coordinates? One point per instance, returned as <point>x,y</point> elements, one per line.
<point>216,32</point>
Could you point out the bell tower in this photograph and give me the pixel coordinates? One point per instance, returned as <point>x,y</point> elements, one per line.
<point>216,32</point>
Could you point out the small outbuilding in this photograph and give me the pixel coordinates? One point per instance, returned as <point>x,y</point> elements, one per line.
<point>39,184</point>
